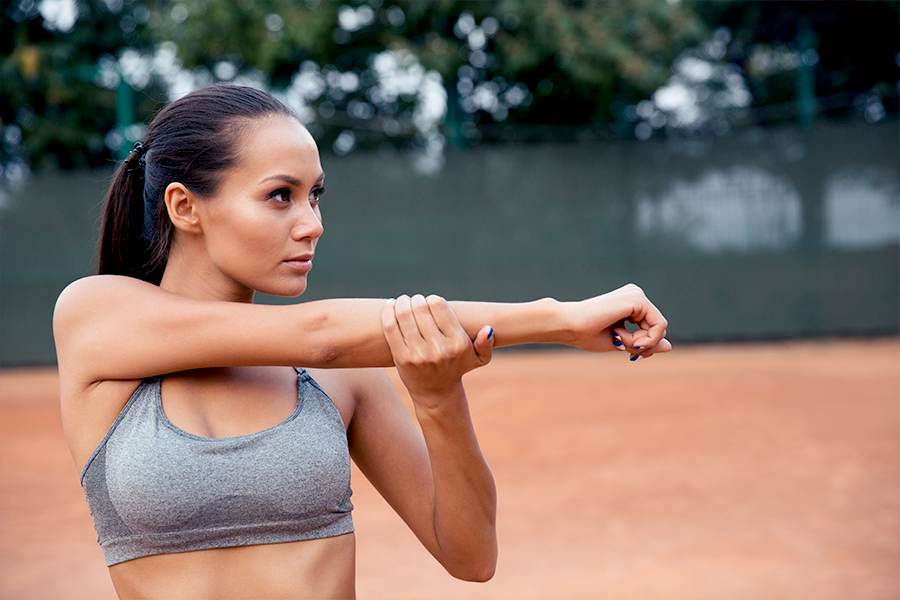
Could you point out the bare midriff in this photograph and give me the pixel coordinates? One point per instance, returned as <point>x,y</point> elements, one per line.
<point>322,568</point>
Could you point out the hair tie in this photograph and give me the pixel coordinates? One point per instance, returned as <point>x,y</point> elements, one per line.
<point>137,158</point>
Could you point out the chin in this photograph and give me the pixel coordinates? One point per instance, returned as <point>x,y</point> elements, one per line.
<point>292,291</point>
<point>279,285</point>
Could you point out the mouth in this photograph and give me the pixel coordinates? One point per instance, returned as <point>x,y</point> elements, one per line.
<point>304,262</point>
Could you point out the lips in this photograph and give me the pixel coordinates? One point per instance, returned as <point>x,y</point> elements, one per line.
<point>300,263</point>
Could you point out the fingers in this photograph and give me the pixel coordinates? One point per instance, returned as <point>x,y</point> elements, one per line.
<point>414,321</point>
<point>484,344</point>
<point>391,328</point>
<point>651,323</point>
<point>650,336</point>
<point>652,330</point>
<point>635,343</point>
<point>664,345</point>
<point>441,315</point>
<point>430,348</point>
<point>428,326</point>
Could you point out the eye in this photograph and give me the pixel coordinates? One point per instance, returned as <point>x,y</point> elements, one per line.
<point>316,194</point>
<point>282,196</point>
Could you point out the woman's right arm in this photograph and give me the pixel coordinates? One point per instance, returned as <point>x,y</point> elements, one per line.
<point>113,327</point>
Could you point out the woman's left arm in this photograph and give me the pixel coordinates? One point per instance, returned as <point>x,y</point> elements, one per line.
<point>440,485</point>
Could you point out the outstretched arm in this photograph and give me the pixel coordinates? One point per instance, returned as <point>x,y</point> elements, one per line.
<point>112,327</point>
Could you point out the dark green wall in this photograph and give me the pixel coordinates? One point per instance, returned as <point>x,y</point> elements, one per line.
<point>764,233</point>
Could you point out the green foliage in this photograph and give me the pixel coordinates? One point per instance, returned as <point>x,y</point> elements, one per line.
<point>537,63</point>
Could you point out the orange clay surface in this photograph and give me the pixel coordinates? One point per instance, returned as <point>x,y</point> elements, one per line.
<point>755,471</point>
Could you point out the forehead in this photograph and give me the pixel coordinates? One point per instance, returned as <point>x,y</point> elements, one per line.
<point>278,144</point>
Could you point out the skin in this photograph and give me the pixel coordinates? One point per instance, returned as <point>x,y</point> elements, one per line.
<point>199,327</point>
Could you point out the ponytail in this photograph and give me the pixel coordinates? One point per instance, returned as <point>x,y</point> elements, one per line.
<point>192,141</point>
<point>125,247</point>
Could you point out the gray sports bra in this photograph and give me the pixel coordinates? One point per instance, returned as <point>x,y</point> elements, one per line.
<point>154,489</point>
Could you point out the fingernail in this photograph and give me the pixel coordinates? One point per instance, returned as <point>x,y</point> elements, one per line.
<point>391,300</point>
<point>617,336</point>
<point>491,333</point>
<point>619,345</point>
<point>636,347</point>
<point>636,358</point>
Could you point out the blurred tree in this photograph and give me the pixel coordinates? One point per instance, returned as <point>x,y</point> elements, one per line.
<point>52,112</point>
<point>415,74</point>
<point>850,48</point>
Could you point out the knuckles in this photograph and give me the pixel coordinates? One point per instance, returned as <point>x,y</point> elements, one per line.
<point>436,302</point>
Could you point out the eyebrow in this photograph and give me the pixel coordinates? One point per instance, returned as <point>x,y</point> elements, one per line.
<point>289,179</point>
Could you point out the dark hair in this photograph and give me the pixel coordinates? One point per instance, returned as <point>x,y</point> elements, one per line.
<point>193,141</point>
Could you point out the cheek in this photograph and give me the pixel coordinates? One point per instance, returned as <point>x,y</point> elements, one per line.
<point>243,230</point>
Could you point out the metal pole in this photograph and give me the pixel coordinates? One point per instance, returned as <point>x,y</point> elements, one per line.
<point>124,115</point>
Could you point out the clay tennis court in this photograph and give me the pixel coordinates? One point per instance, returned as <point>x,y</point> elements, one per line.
<point>752,471</point>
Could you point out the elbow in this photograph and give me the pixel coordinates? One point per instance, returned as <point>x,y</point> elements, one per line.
<point>480,576</point>
<point>321,350</point>
<point>477,569</point>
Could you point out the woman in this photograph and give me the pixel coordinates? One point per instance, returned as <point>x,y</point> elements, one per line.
<point>214,468</point>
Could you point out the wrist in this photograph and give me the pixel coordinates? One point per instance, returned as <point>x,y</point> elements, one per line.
<point>556,321</point>
<point>438,397</point>
<point>442,409</point>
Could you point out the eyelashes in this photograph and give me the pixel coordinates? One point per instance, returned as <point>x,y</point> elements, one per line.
<point>283,195</point>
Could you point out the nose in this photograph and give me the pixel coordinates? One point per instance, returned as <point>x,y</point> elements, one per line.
<point>308,223</point>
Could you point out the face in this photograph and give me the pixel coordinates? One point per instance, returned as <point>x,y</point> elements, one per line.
<point>261,229</point>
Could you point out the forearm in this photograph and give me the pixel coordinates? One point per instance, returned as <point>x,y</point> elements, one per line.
<point>540,321</point>
<point>465,497</point>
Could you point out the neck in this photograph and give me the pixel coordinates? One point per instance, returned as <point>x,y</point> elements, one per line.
<point>188,278</point>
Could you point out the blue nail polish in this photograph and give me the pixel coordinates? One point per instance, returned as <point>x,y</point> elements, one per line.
<point>491,333</point>
<point>636,347</point>
<point>617,336</point>
<point>635,358</point>
<point>618,344</point>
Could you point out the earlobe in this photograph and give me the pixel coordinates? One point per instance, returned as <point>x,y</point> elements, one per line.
<point>182,207</point>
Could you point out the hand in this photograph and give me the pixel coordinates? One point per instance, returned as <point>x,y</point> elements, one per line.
<point>600,323</point>
<point>430,348</point>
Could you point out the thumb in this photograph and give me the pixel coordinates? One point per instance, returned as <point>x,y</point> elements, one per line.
<point>484,344</point>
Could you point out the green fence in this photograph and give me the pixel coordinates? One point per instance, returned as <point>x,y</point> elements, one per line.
<point>764,233</point>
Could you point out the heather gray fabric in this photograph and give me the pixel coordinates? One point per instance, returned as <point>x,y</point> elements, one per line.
<point>154,489</point>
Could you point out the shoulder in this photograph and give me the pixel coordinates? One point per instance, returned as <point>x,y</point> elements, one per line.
<point>92,295</point>
<point>95,287</point>
<point>351,389</point>
<point>83,313</point>
<point>358,383</point>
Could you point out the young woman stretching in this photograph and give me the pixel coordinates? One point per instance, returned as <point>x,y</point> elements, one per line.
<point>214,463</point>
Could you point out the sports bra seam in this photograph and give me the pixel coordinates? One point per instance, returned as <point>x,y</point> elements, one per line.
<point>339,515</point>
<point>337,411</point>
<point>112,428</point>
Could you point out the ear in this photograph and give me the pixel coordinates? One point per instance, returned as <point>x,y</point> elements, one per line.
<point>182,207</point>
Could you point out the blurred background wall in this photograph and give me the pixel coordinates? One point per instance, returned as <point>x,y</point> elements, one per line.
<point>738,160</point>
